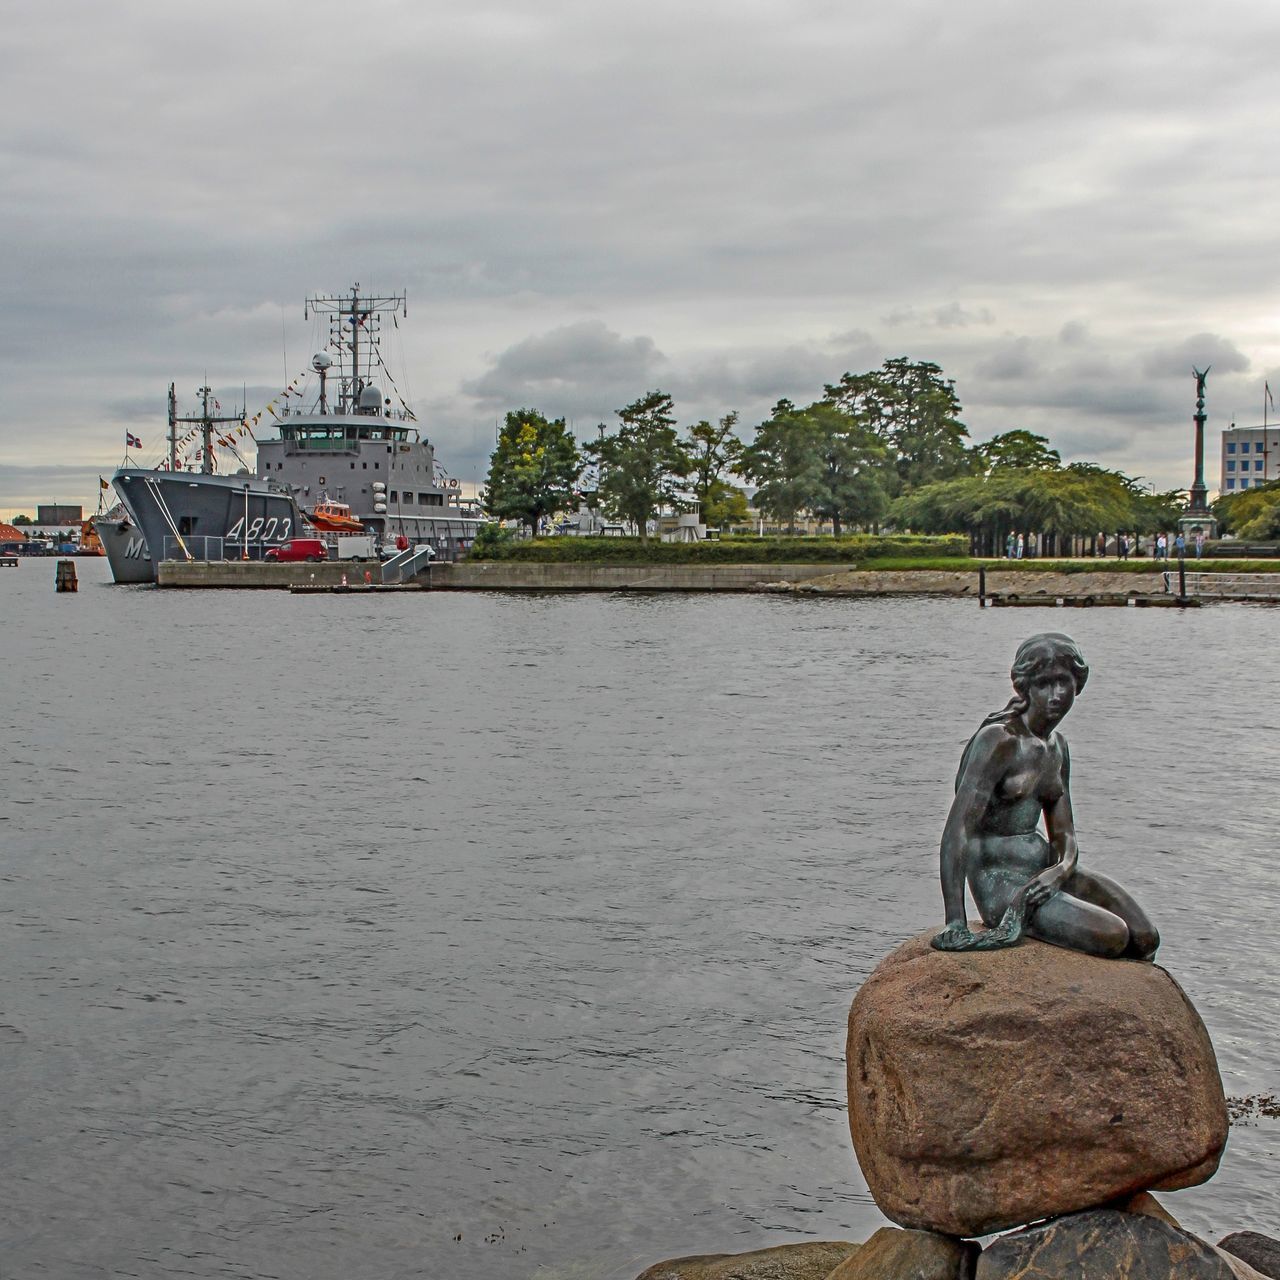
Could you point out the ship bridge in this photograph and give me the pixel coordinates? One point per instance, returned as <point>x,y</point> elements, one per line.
<point>337,434</point>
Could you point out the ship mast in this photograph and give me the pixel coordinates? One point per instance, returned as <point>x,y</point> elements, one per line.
<point>358,312</point>
<point>206,422</point>
<point>173,430</point>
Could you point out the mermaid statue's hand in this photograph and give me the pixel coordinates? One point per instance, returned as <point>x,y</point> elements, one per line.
<point>955,937</point>
<point>1008,933</point>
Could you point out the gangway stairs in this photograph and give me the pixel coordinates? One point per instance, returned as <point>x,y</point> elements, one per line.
<point>405,565</point>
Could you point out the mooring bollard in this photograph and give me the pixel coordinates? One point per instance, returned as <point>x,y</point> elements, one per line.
<point>65,576</point>
<point>982,586</point>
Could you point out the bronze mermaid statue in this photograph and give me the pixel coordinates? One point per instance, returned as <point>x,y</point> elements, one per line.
<point>1013,770</point>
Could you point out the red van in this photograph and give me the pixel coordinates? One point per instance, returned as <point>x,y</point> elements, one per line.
<point>311,549</point>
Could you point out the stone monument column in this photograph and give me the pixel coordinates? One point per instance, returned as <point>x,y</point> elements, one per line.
<point>1198,519</point>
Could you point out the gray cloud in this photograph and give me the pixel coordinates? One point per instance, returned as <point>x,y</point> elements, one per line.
<point>950,316</point>
<point>578,369</point>
<point>712,176</point>
<point>1199,351</point>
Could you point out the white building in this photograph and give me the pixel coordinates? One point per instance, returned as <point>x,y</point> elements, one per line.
<point>1249,455</point>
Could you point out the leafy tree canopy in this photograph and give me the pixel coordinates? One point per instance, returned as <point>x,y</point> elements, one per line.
<point>1078,499</point>
<point>1021,449</point>
<point>914,411</point>
<point>532,469</point>
<point>819,459</point>
<point>642,463</point>
<point>714,452</point>
<point>1254,513</point>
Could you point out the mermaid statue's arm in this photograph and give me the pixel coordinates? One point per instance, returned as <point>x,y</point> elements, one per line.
<point>985,760</point>
<point>1060,825</point>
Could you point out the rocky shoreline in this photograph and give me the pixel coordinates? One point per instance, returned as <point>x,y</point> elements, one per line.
<point>1025,584</point>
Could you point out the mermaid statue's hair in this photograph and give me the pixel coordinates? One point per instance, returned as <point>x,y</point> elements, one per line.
<point>1035,654</point>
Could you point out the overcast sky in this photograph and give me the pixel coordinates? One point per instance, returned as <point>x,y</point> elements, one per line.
<point>1066,207</point>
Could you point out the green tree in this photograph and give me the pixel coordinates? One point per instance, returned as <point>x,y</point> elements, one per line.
<point>1254,513</point>
<point>19,521</point>
<point>532,469</point>
<point>783,463</point>
<point>724,506</point>
<point>817,459</point>
<point>1080,500</point>
<point>914,411</point>
<point>641,465</point>
<point>714,451</point>
<point>1020,449</point>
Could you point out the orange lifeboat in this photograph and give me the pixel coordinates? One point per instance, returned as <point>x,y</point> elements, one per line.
<point>334,517</point>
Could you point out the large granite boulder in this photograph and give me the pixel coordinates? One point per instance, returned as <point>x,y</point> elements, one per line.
<point>991,1089</point>
<point>1102,1245</point>
<point>812,1260</point>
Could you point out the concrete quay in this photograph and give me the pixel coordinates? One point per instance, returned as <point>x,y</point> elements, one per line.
<point>245,574</point>
<point>1005,587</point>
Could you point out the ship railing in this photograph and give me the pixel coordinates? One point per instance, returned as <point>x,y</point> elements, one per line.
<point>206,547</point>
<point>1225,586</point>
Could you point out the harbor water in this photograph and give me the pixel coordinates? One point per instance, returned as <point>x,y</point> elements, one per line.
<point>498,936</point>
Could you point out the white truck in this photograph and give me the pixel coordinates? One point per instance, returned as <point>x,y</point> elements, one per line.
<point>355,546</point>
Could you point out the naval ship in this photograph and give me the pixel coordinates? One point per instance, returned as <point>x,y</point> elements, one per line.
<point>355,449</point>
<point>125,548</point>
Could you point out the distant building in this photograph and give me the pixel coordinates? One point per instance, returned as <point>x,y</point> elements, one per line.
<point>59,515</point>
<point>1249,456</point>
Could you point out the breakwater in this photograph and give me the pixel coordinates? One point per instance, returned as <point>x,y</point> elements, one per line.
<point>815,579</point>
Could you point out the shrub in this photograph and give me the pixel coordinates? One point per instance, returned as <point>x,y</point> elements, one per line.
<point>570,550</point>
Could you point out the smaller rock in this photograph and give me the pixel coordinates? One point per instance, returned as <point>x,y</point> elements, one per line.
<point>1102,1242</point>
<point>1239,1268</point>
<point>813,1260</point>
<point>1261,1252</point>
<point>1145,1203</point>
<point>894,1254</point>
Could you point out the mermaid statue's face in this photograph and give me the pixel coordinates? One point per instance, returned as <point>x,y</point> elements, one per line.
<point>1050,694</point>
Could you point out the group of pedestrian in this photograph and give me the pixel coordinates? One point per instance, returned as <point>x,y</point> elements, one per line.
<point>1014,545</point>
<point>1178,544</point>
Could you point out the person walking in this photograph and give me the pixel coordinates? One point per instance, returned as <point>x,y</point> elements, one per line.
<point>1123,547</point>
<point>1008,546</point>
<point>1162,547</point>
<point>1199,545</point>
<point>1017,555</point>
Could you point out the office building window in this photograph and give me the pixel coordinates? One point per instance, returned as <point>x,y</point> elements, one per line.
<point>1231,466</point>
<point>1244,446</point>
<point>1244,484</point>
<point>1257,466</point>
<point>1231,484</point>
<point>1231,448</point>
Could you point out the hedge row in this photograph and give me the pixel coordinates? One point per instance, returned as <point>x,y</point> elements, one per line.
<point>570,550</point>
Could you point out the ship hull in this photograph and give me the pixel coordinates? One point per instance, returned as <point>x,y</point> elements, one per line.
<point>125,548</point>
<point>191,516</point>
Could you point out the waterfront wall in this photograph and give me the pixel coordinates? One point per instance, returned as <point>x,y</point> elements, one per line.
<point>507,575</point>
<point>261,573</point>
<point>817,579</point>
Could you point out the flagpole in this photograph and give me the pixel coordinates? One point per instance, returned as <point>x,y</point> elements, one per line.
<point>1266,395</point>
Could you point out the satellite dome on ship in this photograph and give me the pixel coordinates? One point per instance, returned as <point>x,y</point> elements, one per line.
<point>370,399</point>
